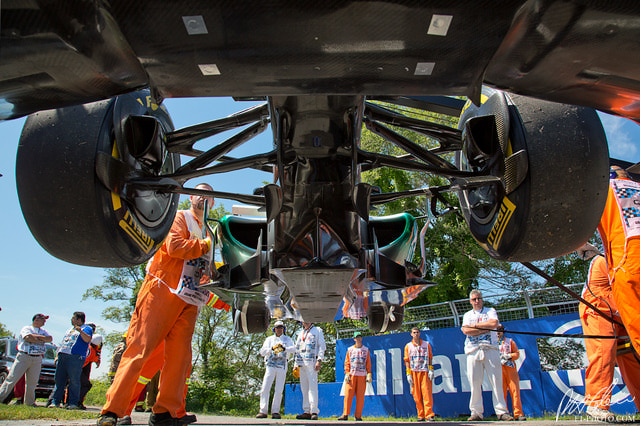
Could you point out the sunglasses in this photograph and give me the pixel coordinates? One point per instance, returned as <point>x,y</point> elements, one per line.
<point>475,299</point>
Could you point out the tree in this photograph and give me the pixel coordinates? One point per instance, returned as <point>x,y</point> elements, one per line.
<point>4,331</point>
<point>226,368</point>
<point>561,354</point>
<point>119,291</point>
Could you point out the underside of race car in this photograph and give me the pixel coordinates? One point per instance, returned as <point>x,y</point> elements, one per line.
<point>99,175</point>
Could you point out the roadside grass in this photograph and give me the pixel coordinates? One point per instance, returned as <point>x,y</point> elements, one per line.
<point>23,412</point>
<point>97,396</point>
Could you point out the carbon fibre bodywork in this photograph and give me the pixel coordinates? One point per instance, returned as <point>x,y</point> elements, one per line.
<point>63,52</point>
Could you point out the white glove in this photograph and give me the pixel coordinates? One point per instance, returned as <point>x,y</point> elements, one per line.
<point>347,378</point>
<point>410,379</point>
<point>504,358</point>
<point>430,375</point>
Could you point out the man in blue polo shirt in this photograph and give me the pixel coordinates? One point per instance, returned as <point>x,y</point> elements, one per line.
<point>71,354</point>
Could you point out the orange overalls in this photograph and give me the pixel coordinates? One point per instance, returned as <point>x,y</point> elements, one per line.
<point>357,365</point>
<point>419,357</point>
<point>160,316</point>
<point>151,367</point>
<point>622,249</point>
<point>510,378</point>
<point>602,352</point>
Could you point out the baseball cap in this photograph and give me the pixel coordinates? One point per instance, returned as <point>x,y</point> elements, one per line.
<point>357,334</point>
<point>278,324</point>
<point>39,316</point>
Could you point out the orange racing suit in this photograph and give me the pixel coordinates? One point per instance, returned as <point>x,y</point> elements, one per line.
<point>417,359</point>
<point>151,367</point>
<point>357,365</point>
<point>161,316</point>
<point>621,240</point>
<point>510,377</point>
<point>602,352</point>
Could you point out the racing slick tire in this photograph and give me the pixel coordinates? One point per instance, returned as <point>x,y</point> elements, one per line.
<point>253,316</point>
<point>68,209</point>
<point>555,190</point>
<point>383,317</point>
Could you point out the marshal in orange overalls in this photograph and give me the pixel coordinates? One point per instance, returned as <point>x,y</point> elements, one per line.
<point>510,377</point>
<point>357,365</point>
<point>161,316</point>
<point>417,359</point>
<point>602,352</point>
<point>622,249</point>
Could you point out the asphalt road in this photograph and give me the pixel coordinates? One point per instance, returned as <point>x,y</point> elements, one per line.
<point>142,419</point>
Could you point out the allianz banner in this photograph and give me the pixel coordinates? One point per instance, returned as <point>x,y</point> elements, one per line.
<point>541,392</point>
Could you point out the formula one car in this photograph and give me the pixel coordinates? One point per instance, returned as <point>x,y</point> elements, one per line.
<point>99,175</point>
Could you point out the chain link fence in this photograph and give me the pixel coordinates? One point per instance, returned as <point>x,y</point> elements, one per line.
<point>542,302</point>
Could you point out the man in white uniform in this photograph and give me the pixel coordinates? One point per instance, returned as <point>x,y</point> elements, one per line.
<point>275,350</point>
<point>310,348</point>
<point>28,362</point>
<point>483,354</point>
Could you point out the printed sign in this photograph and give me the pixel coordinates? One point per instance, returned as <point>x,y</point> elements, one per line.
<point>541,392</point>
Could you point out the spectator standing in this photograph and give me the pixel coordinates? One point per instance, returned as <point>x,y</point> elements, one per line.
<point>71,355</point>
<point>152,391</point>
<point>310,348</point>
<point>509,353</point>
<point>95,350</point>
<point>357,373</point>
<point>276,350</point>
<point>116,356</point>
<point>418,358</point>
<point>483,355</point>
<point>602,353</point>
<point>28,361</point>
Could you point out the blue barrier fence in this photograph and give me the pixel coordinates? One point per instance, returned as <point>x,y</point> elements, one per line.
<point>542,392</point>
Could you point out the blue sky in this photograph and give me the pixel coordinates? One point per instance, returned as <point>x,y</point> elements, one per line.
<point>33,281</point>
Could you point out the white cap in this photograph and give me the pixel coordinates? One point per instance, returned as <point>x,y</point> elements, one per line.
<point>278,323</point>
<point>96,340</point>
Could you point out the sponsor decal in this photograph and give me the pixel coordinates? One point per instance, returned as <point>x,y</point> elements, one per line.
<point>138,236</point>
<point>504,215</point>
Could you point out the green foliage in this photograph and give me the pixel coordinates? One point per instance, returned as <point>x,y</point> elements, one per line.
<point>561,354</point>
<point>119,291</point>
<point>227,373</point>
<point>4,331</point>
<point>97,395</point>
